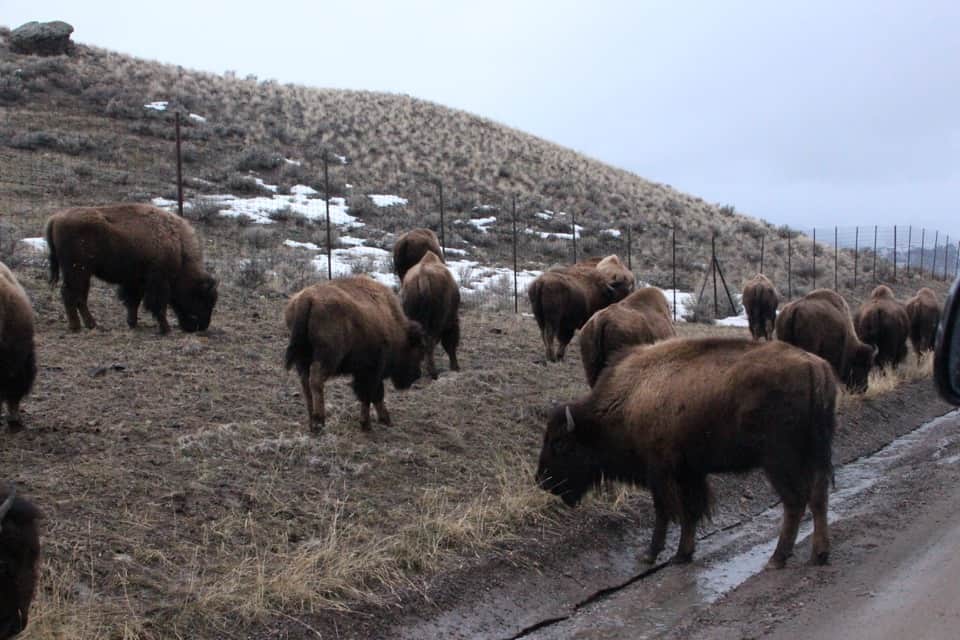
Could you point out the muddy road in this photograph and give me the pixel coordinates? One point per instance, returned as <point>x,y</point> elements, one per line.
<point>895,519</point>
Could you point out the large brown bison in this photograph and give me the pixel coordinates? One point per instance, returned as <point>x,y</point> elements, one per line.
<point>667,415</point>
<point>17,351</point>
<point>564,298</point>
<point>820,323</point>
<point>760,301</point>
<point>643,317</point>
<point>352,326</point>
<point>411,246</point>
<point>882,321</point>
<point>924,311</point>
<point>19,555</point>
<point>431,296</point>
<point>153,255</point>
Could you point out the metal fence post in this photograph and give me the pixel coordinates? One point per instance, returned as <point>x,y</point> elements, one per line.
<point>909,241</point>
<point>761,253</point>
<point>516,295</point>
<point>713,267</point>
<point>923,236</point>
<point>573,228</point>
<point>856,255</point>
<point>674,271</point>
<point>956,267</point>
<point>443,240</point>
<point>874,253</point>
<point>814,257</point>
<point>894,253</point>
<point>946,251</point>
<point>326,196</point>
<point>789,267</point>
<point>933,266</point>
<point>176,121</point>
<point>836,260</point>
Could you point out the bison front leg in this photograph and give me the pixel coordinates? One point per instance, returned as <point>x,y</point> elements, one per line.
<point>694,493</point>
<point>659,531</point>
<point>792,514</point>
<point>369,390</point>
<point>131,295</point>
<point>430,360</point>
<point>14,422</point>
<point>156,299</point>
<point>312,382</point>
<point>74,292</point>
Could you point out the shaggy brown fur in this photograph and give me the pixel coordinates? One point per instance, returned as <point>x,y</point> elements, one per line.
<point>667,415</point>
<point>565,298</point>
<point>152,254</point>
<point>351,326</point>
<point>411,246</point>
<point>820,323</point>
<point>643,317</point>
<point>19,557</point>
<point>17,352</point>
<point>760,301</point>
<point>882,321</point>
<point>431,296</point>
<point>924,312</point>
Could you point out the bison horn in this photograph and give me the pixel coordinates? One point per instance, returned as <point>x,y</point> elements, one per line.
<point>5,507</point>
<point>570,424</point>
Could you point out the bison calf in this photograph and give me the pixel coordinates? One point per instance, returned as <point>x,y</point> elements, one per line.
<point>563,299</point>
<point>820,323</point>
<point>431,296</point>
<point>643,317</point>
<point>352,326</point>
<point>411,246</point>
<point>924,311</point>
<point>760,301</point>
<point>882,322</point>
<point>152,254</point>
<point>667,415</point>
<point>19,555</point>
<point>16,346</point>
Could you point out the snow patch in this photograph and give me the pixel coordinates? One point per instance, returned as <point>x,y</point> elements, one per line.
<point>301,245</point>
<point>387,200</point>
<point>295,163</point>
<point>479,223</point>
<point>264,185</point>
<point>197,118</point>
<point>37,244</point>
<point>556,236</point>
<point>615,233</point>
<point>351,241</point>
<point>160,105</point>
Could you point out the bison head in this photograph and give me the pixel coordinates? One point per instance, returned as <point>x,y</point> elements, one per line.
<point>193,302</point>
<point>858,369</point>
<point>569,464</point>
<point>19,552</point>
<point>405,362</point>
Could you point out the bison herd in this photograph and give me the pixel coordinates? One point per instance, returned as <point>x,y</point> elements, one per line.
<point>662,412</point>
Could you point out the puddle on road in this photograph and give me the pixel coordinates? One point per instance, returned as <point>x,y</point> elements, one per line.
<point>727,559</point>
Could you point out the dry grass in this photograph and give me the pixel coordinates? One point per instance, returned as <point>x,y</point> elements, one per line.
<point>883,381</point>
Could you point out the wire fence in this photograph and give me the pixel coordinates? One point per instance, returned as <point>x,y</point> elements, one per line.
<point>495,244</point>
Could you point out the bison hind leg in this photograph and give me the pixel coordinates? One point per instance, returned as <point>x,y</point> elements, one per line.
<point>450,339</point>
<point>696,500</point>
<point>819,500</point>
<point>547,334</point>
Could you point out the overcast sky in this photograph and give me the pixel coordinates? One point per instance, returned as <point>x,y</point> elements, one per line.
<point>803,113</point>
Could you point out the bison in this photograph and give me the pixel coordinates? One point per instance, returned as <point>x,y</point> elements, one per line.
<point>564,298</point>
<point>351,326</point>
<point>430,296</point>
<point>760,301</point>
<point>411,247</point>
<point>820,323</point>
<point>667,415</point>
<point>924,311</point>
<point>153,255</point>
<point>643,317</point>
<point>882,321</point>
<point>19,555</point>
<point>17,351</point>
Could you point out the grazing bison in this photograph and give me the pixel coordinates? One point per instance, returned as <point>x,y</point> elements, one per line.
<point>820,323</point>
<point>882,321</point>
<point>760,301</point>
<point>410,247</point>
<point>152,254</point>
<point>924,311</point>
<point>643,317</point>
<point>16,346</point>
<point>667,415</point>
<point>564,298</point>
<point>19,553</point>
<point>352,326</point>
<point>430,296</point>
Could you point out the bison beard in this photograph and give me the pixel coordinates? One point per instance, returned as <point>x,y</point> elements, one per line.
<point>667,415</point>
<point>19,553</point>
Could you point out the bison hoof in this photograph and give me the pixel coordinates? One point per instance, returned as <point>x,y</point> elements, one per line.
<point>820,559</point>
<point>316,425</point>
<point>776,562</point>
<point>14,425</point>
<point>681,558</point>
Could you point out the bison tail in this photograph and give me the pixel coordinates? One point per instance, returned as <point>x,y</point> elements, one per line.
<point>299,351</point>
<point>535,293</point>
<point>823,417</point>
<point>52,258</point>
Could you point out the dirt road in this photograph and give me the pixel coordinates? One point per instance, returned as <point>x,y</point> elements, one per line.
<point>896,535</point>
